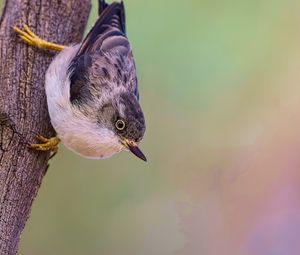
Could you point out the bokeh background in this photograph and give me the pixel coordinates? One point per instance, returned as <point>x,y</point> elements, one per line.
<point>219,84</point>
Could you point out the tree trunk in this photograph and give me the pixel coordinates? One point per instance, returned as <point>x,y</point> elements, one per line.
<point>23,109</point>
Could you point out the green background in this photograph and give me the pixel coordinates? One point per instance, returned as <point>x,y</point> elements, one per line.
<point>216,80</point>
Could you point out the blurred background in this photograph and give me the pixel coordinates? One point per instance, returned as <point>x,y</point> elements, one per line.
<point>219,84</point>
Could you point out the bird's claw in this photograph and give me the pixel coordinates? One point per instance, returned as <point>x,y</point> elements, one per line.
<point>32,39</point>
<point>47,144</point>
<point>28,36</point>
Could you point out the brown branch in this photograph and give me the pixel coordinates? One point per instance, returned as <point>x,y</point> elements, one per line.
<point>23,110</point>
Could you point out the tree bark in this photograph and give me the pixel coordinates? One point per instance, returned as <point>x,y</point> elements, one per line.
<point>23,109</point>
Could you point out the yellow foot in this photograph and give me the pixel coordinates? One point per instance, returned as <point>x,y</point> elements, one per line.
<point>32,39</point>
<point>47,144</point>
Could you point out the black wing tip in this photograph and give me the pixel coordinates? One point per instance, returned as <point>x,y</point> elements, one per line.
<point>115,8</point>
<point>110,16</point>
<point>103,5</point>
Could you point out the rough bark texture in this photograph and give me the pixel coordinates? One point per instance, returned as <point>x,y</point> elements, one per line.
<point>23,110</point>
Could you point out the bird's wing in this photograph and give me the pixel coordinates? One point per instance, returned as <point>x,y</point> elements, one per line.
<point>107,35</point>
<point>111,23</point>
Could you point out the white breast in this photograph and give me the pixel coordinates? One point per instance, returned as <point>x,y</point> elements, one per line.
<point>77,132</point>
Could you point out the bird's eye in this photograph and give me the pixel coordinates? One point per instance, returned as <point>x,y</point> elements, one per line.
<point>120,125</point>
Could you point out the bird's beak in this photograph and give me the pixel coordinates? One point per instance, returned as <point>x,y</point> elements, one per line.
<point>132,146</point>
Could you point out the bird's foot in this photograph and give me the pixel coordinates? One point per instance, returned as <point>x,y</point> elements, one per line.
<point>32,39</point>
<point>47,144</point>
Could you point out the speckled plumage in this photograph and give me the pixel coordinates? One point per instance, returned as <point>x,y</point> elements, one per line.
<point>92,85</point>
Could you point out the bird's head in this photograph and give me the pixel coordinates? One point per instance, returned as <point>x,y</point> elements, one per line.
<point>124,117</point>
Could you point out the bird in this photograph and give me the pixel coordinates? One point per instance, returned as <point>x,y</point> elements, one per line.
<point>92,90</point>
